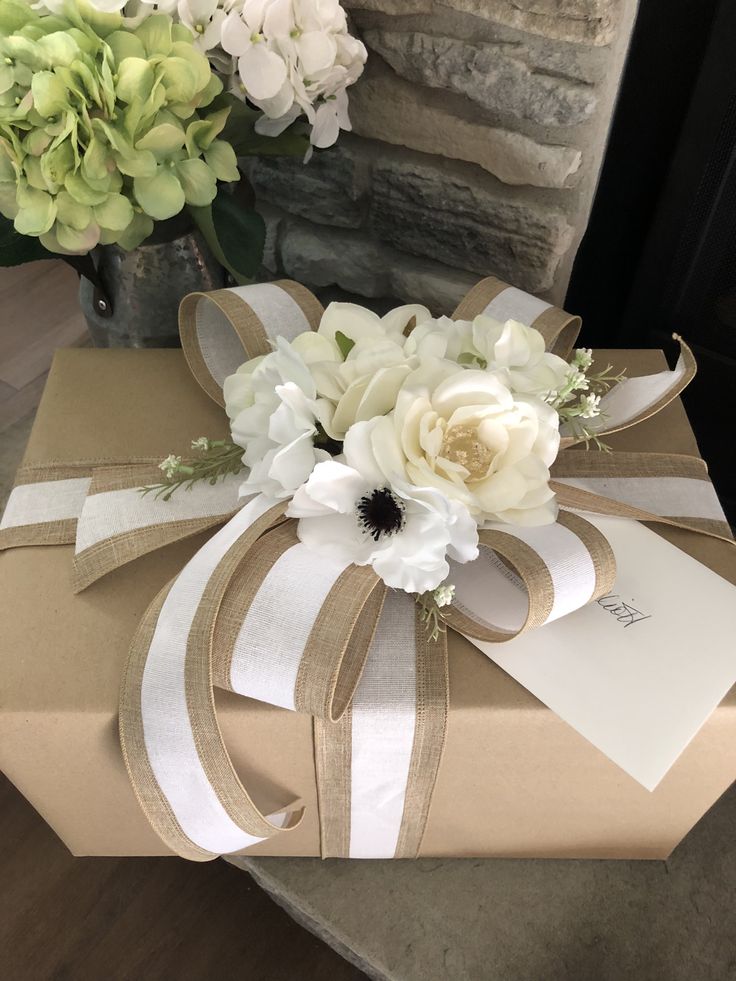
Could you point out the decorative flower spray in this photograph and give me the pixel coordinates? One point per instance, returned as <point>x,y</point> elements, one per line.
<point>396,439</point>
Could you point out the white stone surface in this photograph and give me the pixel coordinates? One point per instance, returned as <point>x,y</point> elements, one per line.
<point>389,109</point>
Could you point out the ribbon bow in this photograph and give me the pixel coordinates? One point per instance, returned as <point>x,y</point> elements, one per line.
<point>256,612</point>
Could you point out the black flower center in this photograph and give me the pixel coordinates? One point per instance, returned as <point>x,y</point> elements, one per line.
<point>380,513</point>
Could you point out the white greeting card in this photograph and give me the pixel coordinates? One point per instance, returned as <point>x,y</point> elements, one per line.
<point>640,671</point>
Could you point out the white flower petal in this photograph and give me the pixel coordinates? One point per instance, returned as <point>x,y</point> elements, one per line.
<point>262,71</point>
<point>326,128</point>
<point>397,320</point>
<point>235,37</point>
<point>336,486</point>
<point>316,50</point>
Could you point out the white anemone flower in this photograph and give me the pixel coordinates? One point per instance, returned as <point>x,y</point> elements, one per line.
<point>406,534</point>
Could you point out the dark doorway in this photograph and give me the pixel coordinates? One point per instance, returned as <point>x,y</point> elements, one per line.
<point>660,252</point>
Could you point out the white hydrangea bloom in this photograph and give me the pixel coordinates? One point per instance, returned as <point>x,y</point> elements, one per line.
<point>295,57</point>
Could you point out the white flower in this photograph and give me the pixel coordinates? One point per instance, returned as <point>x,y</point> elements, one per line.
<point>295,56</point>
<point>170,465</point>
<point>576,380</point>
<point>274,411</point>
<point>591,406</point>
<point>405,533</point>
<point>204,18</point>
<point>583,358</point>
<point>518,354</point>
<point>363,382</point>
<point>201,443</point>
<point>463,432</point>
<point>444,594</point>
<point>511,349</point>
<point>262,69</point>
<point>444,338</point>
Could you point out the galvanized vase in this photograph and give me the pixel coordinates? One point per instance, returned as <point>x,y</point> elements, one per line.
<point>141,289</point>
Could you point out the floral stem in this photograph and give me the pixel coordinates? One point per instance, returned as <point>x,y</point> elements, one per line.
<point>216,460</point>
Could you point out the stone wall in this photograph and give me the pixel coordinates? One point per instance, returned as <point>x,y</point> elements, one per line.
<point>479,129</point>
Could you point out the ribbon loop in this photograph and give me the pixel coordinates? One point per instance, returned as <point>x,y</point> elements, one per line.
<point>529,577</point>
<point>171,741</point>
<point>494,298</point>
<point>222,329</point>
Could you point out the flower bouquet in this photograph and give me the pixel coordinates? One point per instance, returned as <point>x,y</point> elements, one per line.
<point>115,116</point>
<point>396,438</point>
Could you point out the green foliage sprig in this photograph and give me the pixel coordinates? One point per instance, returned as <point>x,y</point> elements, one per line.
<point>216,460</point>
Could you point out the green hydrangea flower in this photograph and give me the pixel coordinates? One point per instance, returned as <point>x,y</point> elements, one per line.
<point>103,128</point>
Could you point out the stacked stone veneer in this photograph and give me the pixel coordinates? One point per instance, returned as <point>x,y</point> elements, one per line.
<point>479,129</point>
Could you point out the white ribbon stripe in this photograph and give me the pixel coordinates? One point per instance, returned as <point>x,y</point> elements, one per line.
<point>42,503</point>
<point>383,723</point>
<point>275,630</point>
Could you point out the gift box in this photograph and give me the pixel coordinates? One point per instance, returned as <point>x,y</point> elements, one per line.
<point>514,779</point>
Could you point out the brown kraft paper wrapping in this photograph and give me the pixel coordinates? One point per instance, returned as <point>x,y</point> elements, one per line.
<point>515,780</point>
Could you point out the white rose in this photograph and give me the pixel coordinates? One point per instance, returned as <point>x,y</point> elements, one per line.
<point>511,349</point>
<point>275,412</point>
<point>518,354</point>
<point>358,360</point>
<point>443,338</point>
<point>464,433</point>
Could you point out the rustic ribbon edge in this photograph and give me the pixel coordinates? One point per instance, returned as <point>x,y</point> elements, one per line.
<point>109,554</point>
<point>535,576</point>
<point>430,735</point>
<point>198,675</point>
<point>584,500</point>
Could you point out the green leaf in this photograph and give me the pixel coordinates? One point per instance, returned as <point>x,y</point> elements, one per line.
<point>235,234</point>
<point>241,118</point>
<point>345,343</point>
<point>16,249</point>
<point>290,143</point>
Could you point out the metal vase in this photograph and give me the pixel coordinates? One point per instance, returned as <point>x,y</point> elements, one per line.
<point>139,302</point>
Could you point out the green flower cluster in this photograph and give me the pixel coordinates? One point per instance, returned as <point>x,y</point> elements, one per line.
<point>101,125</point>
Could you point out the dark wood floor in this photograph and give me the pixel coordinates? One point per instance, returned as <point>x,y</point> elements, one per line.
<point>99,919</point>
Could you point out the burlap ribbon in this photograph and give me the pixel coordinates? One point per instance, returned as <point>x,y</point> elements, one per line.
<point>255,612</point>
